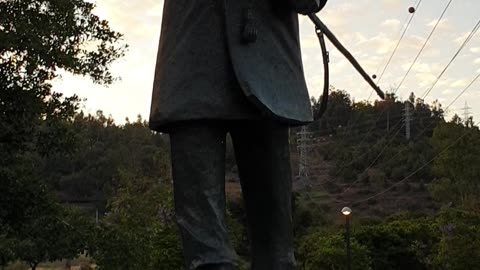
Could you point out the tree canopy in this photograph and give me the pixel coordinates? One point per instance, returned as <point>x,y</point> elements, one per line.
<point>39,40</point>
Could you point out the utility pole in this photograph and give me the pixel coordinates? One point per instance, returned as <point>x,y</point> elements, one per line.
<point>466,113</point>
<point>304,144</point>
<point>408,119</point>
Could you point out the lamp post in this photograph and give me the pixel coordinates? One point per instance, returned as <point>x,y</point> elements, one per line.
<point>346,212</point>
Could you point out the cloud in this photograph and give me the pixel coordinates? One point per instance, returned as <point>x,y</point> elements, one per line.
<point>309,41</point>
<point>462,37</point>
<point>392,24</point>
<point>418,67</point>
<point>393,4</point>
<point>442,26</point>
<point>447,92</point>
<point>425,79</point>
<point>340,15</point>
<point>381,43</point>
<point>459,83</point>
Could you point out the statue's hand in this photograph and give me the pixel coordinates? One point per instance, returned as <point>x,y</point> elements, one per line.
<point>306,7</point>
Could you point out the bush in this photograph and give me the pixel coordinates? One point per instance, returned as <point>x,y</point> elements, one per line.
<point>325,252</point>
<point>139,232</point>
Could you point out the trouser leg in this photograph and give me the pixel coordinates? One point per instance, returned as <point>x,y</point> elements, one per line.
<point>198,169</point>
<point>263,160</point>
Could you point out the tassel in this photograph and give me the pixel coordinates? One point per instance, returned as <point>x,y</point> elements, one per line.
<point>250,30</point>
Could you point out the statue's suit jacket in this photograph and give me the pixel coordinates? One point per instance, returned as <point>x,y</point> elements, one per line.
<point>206,69</point>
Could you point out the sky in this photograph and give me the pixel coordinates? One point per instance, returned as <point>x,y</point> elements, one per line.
<point>370,29</point>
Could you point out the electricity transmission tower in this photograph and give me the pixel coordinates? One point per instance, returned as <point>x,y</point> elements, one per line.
<point>408,119</point>
<point>304,145</point>
<point>466,113</point>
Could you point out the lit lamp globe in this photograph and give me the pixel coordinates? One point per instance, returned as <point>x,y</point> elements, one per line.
<point>346,211</point>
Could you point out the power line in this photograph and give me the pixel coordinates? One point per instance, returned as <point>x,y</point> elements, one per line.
<point>416,171</point>
<point>425,129</point>
<point>357,126</point>
<point>373,162</point>
<point>424,45</point>
<point>456,98</point>
<point>398,34</point>
<point>303,162</point>
<point>464,90</point>
<point>381,152</point>
<point>398,43</point>
<point>378,142</point>
<point>418,136</point>
<point>378,119</point>
<point>469,37</point>
<point>419,53</point>
<point>365,153</point>
<point>407,25</point>
<point>390,159</point>
<point>373,125</point>
<point>377,157</point>
<point>399,182</point>
<point>413,173</point>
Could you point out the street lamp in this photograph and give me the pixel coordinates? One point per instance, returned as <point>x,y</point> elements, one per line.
<point>346,212</point>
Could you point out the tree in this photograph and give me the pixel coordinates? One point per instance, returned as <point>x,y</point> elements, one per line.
<point>327,252</point>
<point>401,243</point>
<point>42,36</point>
<point>457,176</point>
<point>104,149</point>
<point>139,232</point>
<point>39,38</point>
<point>459,245</point>
<point>56,233</point>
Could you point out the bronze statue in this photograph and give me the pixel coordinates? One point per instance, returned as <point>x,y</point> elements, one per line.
<point>232,66</point>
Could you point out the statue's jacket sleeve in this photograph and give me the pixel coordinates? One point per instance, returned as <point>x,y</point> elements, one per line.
<point>203,50</point>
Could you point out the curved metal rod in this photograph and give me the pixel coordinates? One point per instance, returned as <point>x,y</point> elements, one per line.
<point>320,25</point>
<point>326,72</point>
